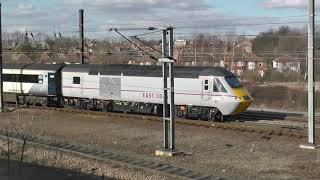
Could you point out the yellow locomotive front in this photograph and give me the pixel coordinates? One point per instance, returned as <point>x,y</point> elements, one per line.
<point>240,93</point>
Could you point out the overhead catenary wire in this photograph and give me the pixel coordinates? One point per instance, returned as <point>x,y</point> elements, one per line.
<point>153,32</point>
<point>223,19</point>
<point>192,56</point>
<point>177,27</point>
<point>145,43</point>
<point>194,35</point>
<point>186,53</point>
<point>251,35</point>
<point>150,55</point>
<point>50,52</point>
<point>215,26</point>
<point>237,25</point>
<point>62,26</point>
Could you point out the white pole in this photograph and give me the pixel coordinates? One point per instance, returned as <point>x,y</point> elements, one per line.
<point>311,88</point>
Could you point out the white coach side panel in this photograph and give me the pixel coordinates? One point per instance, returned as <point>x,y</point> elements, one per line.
<point>12,87</point>
<point>83,85</point>
<point>141,89</point>
<point>90,86</point>
<point>80,84</point>
<point>38,88</point>
<point>150,90</point>
<point>187,91</point>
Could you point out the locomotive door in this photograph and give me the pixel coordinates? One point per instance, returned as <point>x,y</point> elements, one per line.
<point>51,84</point>
<point>205,90</point>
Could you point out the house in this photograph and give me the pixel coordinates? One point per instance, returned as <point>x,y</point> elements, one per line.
<point>44,57</point>
<point>143,61</point>
<point>239,58</point>
<point>246,46</point>
<point>180,43</point>
<point>245,62</point>
<point>286,63</point>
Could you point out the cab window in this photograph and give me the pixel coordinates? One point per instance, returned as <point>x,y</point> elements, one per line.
<point>218,87</point>
<point>233,82</point>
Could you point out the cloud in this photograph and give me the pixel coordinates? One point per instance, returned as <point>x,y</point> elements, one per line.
<point>22,9</point>
<point>62,15</point>
<point>144,12</point>
<point>136,6</point>
<point>99,13</point>
<point>299,4</point>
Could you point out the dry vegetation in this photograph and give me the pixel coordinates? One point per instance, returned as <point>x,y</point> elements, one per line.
<point>281,97</point>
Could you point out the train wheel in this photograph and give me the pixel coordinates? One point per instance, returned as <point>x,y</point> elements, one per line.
<point>154,110</point>
<point>109,107</point>
<point>219,117</point>
<point>216,116</point>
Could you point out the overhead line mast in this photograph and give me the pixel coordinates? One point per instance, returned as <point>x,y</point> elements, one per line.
<point>81,31</point>
<point>1,79</point>
<point>167,61</point>
<point>311,84</point>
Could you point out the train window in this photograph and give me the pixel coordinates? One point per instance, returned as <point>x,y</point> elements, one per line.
<point>29,78</point>
<point>206,85</point>
<point>233,82</point>
<point>218,87</point>
<point>24,78</point>
<point>9,78</point>
<point>76,80</point>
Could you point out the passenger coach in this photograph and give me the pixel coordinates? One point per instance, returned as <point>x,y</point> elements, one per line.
<point>37,84</point>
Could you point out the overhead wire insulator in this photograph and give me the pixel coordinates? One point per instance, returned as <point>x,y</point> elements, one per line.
<point>32,36</point>
<point>151,28</point>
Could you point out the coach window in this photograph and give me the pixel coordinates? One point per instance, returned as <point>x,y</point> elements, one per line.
<point>217,86</point>
<point>28,78</point>
<point>76,80</point>
<point>206,85</point>
<point>24,78</point>
<point>9,78</point>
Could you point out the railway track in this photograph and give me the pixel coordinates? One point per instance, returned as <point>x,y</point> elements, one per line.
<point>250,115</point>
<point>126,160</point>
<point>280,119</point>
<point>247,122</point>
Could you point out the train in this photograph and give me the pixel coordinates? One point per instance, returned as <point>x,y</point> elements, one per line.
<point>206,93</point>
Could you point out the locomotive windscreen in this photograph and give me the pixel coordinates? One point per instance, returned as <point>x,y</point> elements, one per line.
<point>233,82</point>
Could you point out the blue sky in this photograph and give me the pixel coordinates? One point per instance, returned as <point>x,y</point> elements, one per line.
<point>252,8</point>
<point>62,15</point>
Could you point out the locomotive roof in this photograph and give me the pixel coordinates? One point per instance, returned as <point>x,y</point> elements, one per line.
<point>50,67</point>
<point>151,71</point>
